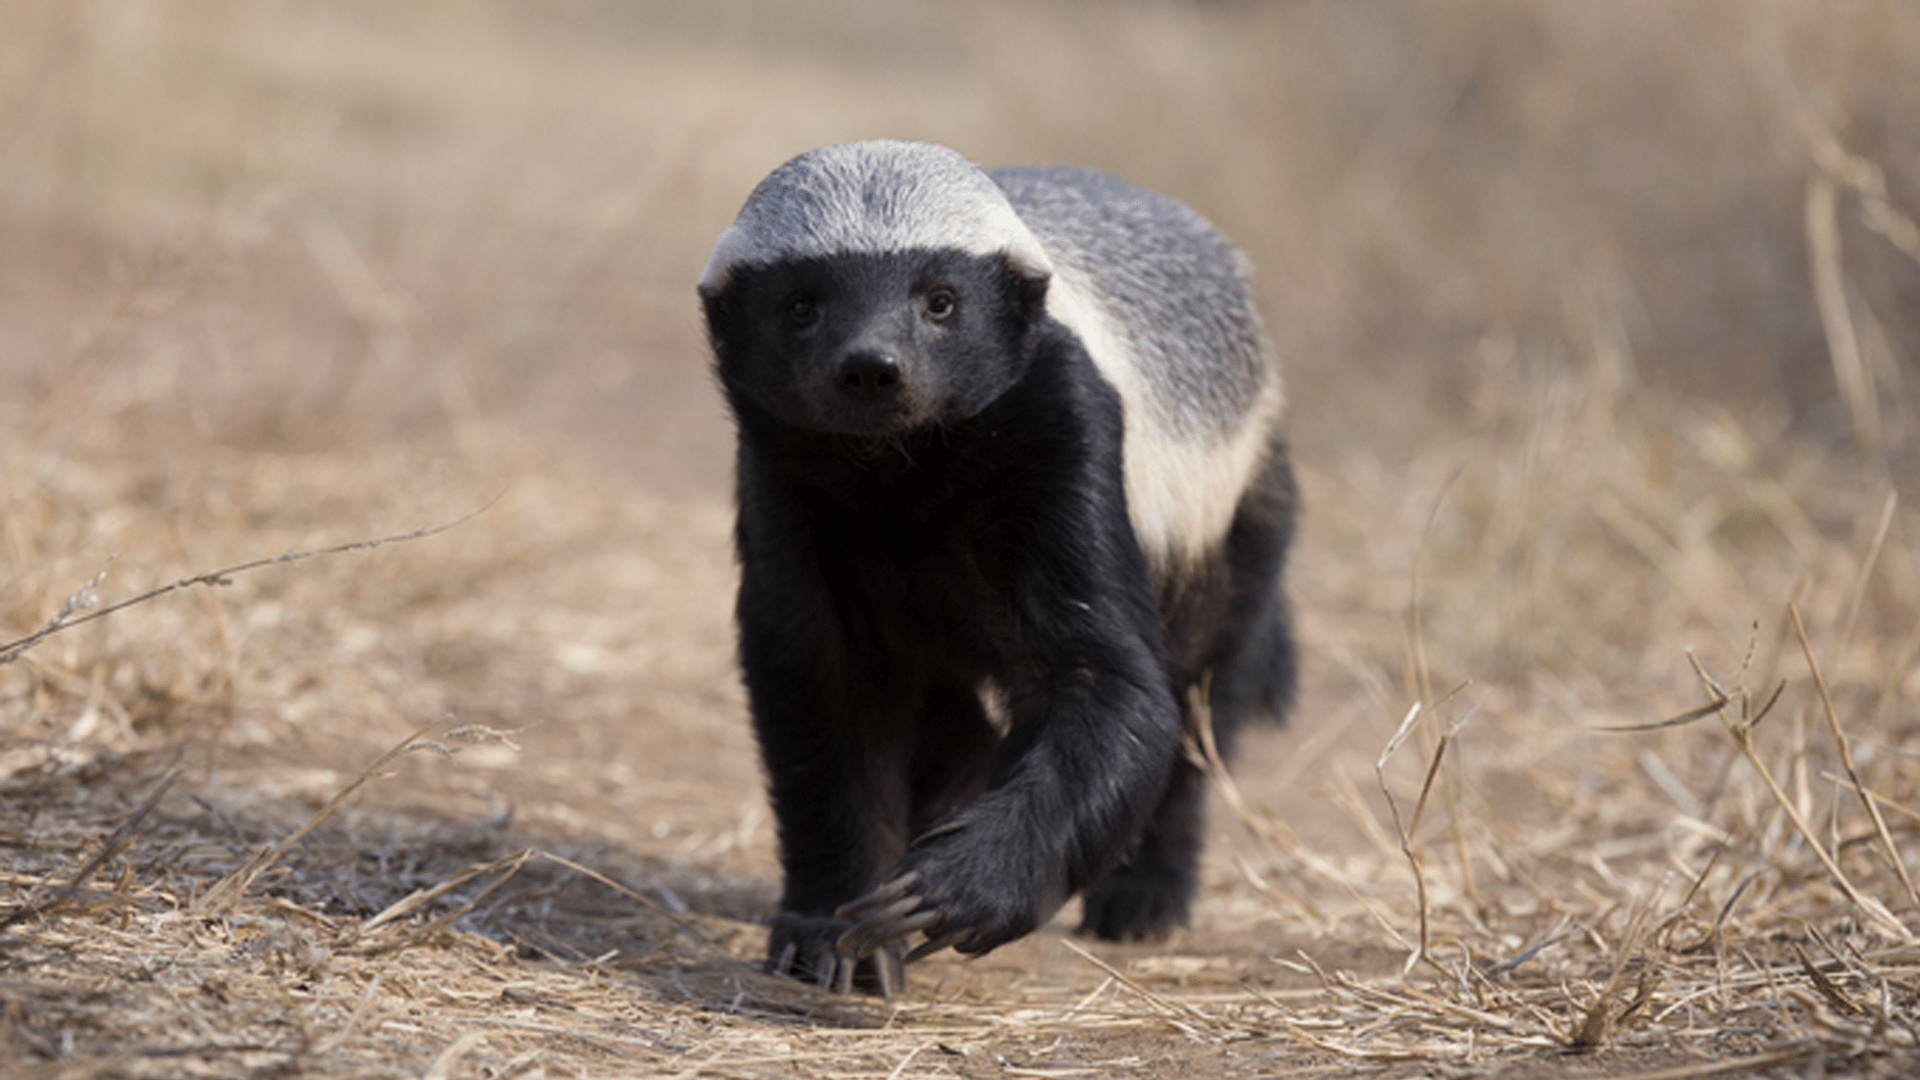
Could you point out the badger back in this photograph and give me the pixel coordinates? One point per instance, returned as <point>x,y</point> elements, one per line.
<point>1159,298</point>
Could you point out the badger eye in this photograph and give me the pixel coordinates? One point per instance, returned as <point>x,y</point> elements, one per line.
<point>941,304</point>
<point>802,311</point>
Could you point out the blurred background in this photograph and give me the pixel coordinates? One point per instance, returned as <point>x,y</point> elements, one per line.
<point>291,224</point>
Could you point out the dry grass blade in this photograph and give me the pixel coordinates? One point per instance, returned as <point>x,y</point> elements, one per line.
<point>1857,596</point>
<point>1399,736</point>
<point>1835,996</point>
<point>1600,1019</point>
<point>900,1069</point>
<point>1741,731</point>
<point>1162,1004</point>
<point>1407,829</point>
<point>115,842</point>
<point>1882,801</point>
<point>1416,629</point>
<point>231,887</point>
<point>1866,179</point>
<point>354,1019</point>
<point>1513,962</point>
<point>1684,718</point>
<point>652,906</point>
<point>1857,387</point>
<point>442,1067</point>
<point>506,869</point>
<point>1201,749</point>
<point>1841,742</point>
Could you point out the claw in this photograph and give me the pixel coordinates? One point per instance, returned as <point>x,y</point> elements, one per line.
<point>785,963</point>
<point>892,973</point>
<point>823,965</point>
<point>867,926</point>
<point>933,945</point>
<point>846,976</point>
<point>945,828</point>
<point>885,894</point>
<point>888,933</point>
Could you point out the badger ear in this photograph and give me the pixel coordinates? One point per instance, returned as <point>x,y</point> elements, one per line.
<point>736,245</point>
<point>1030,281</point>
<point>716,304</point>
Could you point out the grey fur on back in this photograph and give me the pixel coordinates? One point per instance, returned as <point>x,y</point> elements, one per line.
<point>1171,285</point>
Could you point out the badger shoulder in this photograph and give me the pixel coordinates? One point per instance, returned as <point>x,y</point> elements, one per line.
<point>1160,301</point>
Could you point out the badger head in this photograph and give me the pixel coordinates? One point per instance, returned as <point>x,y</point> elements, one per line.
<point>873,288</point>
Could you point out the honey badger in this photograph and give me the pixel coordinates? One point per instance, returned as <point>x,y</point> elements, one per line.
<point>1011,486</point>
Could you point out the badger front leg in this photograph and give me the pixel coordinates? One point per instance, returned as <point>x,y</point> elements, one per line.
<point>1072,783</point>
<point>835,779</point>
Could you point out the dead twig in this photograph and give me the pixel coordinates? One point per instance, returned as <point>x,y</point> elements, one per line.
<point>1846,759</point>
<point>1741,731</point>
<point>235,884</point>
<point>1407,829</point>
<point>64,620</point>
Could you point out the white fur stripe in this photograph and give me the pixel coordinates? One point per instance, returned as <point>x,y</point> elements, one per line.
<point>1181,493</point>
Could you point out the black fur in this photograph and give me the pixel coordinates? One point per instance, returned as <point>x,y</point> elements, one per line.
<point>904,545</point>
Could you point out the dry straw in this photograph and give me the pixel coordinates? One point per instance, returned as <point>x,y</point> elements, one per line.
<point>1647,896</point>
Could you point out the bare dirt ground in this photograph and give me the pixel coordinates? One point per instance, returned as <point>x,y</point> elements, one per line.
<point>1600,323</point>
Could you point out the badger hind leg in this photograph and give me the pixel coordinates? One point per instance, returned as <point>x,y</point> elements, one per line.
<point>1148,896</point>
<point>1241,637</point>
<point>1254,660</point>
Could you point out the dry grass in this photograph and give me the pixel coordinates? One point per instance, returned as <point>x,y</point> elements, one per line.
<point>1607,761</point>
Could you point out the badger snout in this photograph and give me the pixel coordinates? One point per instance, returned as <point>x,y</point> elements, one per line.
<point>869,375</point>
<point>869,391</point>
<point>876,382</point>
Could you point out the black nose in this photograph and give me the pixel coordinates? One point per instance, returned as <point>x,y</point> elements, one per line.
<point>868,374</point>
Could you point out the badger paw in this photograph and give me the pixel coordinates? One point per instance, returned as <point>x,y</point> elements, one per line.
<point>804,947</point>
<point>977,881</point>
<point>1133,905</point>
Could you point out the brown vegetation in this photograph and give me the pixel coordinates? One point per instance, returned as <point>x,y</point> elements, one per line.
<point>1600,321</point>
